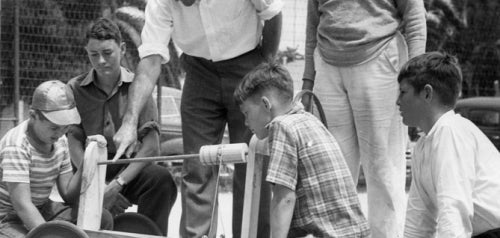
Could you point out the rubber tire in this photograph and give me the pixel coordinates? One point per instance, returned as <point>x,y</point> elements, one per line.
<point>136,223</point>
<point>57,229</point>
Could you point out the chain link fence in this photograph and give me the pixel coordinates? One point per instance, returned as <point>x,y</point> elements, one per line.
<point>43,39</point>
<point>40,40</point>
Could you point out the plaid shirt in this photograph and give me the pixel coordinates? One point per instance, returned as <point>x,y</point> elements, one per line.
<point>306,158</point>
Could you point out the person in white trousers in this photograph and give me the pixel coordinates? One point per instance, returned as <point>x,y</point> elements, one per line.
<point>354,50</point>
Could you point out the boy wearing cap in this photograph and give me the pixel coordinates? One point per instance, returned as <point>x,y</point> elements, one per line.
<point>456,183</point>
<point>34,157</point>
<point>313,192</point>
<point>101,98</point>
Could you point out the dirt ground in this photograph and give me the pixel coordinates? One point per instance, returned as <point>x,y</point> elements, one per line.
<point>225,214</point>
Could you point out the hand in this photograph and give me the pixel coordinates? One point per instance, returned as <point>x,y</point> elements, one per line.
<point>121,204</point>
<point>114,201</point>
<point>307,84</point>
<point>125,140</point>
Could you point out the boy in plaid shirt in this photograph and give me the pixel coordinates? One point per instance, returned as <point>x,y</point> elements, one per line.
<point>313,191</point>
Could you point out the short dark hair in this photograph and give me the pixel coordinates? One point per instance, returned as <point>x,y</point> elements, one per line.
<point>267,75</point>
<point>40,115</point>
<point>440,70</point>
<point>104,29</point>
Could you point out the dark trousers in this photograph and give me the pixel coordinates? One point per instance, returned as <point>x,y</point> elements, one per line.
<point>207,105</point>
<point>153,190</point>
<point>495,233</point>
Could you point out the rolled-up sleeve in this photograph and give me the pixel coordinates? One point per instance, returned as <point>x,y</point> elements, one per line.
<point>157,30</point>
<point>267,9</point>
<point>283,161</point>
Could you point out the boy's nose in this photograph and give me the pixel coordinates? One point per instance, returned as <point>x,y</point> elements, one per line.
<point>101,60</point>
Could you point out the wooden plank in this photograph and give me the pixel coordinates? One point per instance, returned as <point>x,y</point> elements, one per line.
<point>93,183</point>
<point>257,150</point>
<point>117,234</point>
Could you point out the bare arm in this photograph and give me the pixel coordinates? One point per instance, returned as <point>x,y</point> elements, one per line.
<point>69,184</point>
<point>148,71</point>
<point>415,28</point>
<point>76,144</point>
<point>311,42</point>
<point>113,200</point>
<point>282,206</point>
<point>20,196</point>
<point>271,34</point>
<point>150,147</point>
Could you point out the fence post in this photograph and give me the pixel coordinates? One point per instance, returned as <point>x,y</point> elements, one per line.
<point>16,63</point>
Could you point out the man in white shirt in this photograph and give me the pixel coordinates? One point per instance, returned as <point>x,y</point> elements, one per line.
<point>221,41</point>
<point>456,183</point>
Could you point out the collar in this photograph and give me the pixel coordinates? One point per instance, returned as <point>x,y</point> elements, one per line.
<point>296,108</point>
<point>441,120</point>
<point>125,77</point>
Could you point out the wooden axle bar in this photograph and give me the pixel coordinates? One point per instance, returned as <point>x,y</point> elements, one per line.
<point>154,159</point>
<point>209,155</point>
<point>150,159</point>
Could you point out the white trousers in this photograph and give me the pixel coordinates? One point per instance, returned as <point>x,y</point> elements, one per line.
<point>360,106</point>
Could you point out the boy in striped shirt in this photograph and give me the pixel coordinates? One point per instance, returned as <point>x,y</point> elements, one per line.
<point>33,158</point>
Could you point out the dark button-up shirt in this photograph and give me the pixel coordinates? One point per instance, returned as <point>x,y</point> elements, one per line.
<point>102,113</point>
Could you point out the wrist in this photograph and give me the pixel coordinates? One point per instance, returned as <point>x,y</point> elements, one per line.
<point>120,181</point>
<point>130,119</point>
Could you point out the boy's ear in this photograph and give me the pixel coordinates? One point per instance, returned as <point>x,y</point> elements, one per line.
<point>123,48</point>
<point>428,93</point>
<point>266,102</point>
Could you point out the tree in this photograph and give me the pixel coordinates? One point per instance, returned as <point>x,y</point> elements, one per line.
<point>129,16</point>
<point>472,33</point>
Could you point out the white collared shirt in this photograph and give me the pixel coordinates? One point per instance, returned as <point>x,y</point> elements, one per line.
<point>212,29</point>
<point>456,182</point>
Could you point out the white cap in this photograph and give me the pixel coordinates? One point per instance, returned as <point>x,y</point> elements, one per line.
<point>56,102</point>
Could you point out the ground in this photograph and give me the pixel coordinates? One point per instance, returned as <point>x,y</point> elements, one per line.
<point>225,214</point>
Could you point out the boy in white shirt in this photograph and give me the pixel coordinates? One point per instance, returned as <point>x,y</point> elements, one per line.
<point>455,184</point>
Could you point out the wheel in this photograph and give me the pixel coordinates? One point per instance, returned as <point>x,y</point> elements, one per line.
<point>136,223</point>
<point>57,229</point>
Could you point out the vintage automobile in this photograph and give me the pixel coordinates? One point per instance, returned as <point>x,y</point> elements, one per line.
<point>170,124</point>
<point>171,135</point>
<point>485,113</point>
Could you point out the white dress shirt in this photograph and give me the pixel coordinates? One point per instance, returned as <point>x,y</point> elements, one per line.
<point>212,29</point>
<point>455,190</point>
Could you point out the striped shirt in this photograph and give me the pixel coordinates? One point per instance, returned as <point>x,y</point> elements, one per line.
<point>20,162</point>
<point>306,158</point>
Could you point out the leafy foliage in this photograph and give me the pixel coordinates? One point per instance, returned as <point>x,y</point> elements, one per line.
<point>471,32</point>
